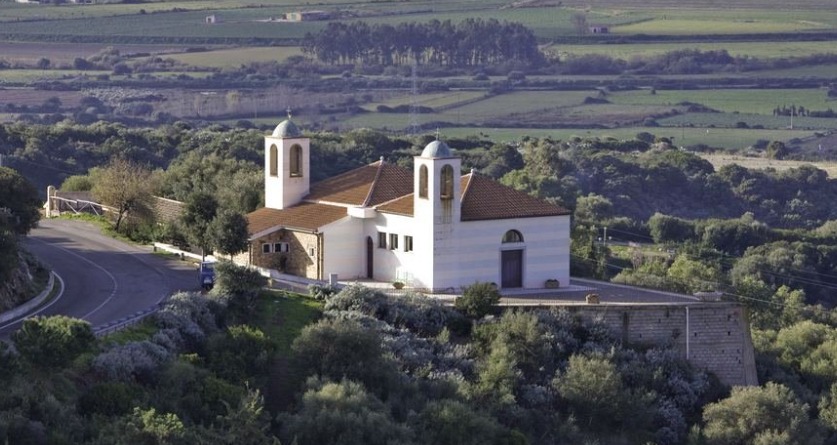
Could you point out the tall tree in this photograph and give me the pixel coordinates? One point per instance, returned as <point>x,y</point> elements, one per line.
<point>228,233</point>
<point>19,202</point>
<point>201,209</point>
<point>126,187</point>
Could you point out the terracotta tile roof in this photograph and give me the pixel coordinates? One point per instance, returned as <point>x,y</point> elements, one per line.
<point>392,182</point>
<point>483,198</point>
<point>400,206</point>
<point>305,216</point>
<point>368,185</point>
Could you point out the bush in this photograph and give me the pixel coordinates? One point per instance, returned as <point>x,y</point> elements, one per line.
<point>135,361</point>
<point>53,341</point>
<point>478,300</point>
<point>240,286</point>
<point>110,399</point>
<point>322,292</point>
<point>239,353</point>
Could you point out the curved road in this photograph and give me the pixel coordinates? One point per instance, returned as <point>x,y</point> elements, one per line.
<point>104,279</point>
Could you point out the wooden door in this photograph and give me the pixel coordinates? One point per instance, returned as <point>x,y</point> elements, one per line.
<point>511,263</point>
<point>370,251</point>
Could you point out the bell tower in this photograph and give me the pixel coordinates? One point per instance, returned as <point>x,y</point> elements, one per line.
<point>287,175</point>
<point>436,212</point>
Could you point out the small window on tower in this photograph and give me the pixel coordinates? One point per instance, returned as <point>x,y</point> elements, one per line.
<point>408,243</point>
<point>273,160</point>
<point>382,240</point>
<point>393,241</point>
<point>296,161</point>
<point>446,183</point>
<point>423,181</point>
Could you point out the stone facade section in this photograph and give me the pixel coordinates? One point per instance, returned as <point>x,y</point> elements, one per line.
<point>300,259</point>
<point>711,336</point>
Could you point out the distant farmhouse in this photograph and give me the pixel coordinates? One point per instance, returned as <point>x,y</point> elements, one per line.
<point>430,228</point>
<point>599,29</point>
<point>307,16</point>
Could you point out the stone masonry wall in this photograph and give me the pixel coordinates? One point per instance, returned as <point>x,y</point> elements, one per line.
<point>297,261</point>
<point>712,336</point>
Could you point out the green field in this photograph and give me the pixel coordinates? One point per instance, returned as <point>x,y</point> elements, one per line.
<point>730,138</point>
<point>720,160</point>
<point>234,58</point>
<point>750,101</point>
<point>432,100</point>
<point>761,50</point>
<point>489,109</point>
<point>35,74</point>
<point>239,19</point>
<point>700,26</point>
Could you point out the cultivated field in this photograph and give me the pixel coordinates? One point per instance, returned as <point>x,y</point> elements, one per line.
<point>752,101</point>
<point>762,50</point>
<point>719,160</point>
<point>64,53</point>
<point>234,58</point>
<point>731,138</point>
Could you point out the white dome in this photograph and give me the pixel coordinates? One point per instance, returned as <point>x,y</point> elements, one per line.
<point>286,129</point>
<point>437,149</point>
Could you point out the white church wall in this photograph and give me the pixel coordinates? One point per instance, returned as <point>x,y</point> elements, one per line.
<point>344,249</point>
<point>395,264</point>
<point>479,243</point>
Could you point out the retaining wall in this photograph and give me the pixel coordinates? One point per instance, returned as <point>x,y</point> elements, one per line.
<point>712,336</point>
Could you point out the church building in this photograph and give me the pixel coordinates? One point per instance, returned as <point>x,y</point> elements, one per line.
<point>431,228</point>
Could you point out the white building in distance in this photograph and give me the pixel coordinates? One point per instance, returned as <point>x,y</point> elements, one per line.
<point>431,228</point>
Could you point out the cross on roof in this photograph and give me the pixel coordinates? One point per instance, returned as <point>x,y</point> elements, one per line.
<point>289,112</point>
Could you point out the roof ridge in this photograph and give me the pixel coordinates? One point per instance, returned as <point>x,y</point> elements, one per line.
<point>467,186</point>
<point>397,198</point>
<point>374,182</point>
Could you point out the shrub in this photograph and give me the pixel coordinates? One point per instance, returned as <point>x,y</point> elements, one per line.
<point>110,399</point>
<point>322,292</point>
<point>478,299</point>
<point>53,341</point>
<point>135,361</point>
<point>240,352</point>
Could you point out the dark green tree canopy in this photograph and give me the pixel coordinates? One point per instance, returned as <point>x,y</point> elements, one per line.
<point>19,201</point>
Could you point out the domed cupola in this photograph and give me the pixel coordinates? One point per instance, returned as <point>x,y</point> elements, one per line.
<point>437,149</point>
<point>286,129</point>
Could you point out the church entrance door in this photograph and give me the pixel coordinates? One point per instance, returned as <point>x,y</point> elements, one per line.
<point>370,250</point>
<point>511,264</point>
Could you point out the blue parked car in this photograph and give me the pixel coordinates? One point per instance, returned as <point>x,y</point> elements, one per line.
<point>206,275</point>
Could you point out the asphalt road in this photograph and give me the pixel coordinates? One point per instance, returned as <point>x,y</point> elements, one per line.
<point>104,279</point>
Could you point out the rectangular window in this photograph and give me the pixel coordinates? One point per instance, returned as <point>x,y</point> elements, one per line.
<point>393,241</point>
<point>382,240</point>
<point>266,248</point>
<point>408,243</point>
<point>281,247</point>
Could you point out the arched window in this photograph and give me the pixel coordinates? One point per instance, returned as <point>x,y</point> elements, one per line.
<point>423,181</point>
<point>446,183</point>
<point>296,160</point>
<point>273,160</point>
<point>513,236</point>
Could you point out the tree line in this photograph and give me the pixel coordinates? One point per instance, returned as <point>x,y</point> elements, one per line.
<point>472,42</point>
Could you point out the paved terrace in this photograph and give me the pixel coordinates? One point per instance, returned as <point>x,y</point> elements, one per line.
<point>575,293</point>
